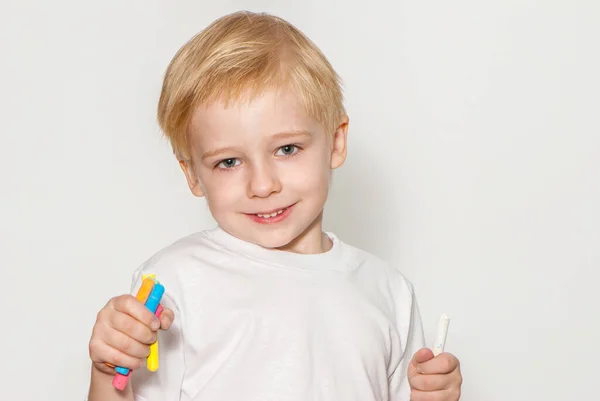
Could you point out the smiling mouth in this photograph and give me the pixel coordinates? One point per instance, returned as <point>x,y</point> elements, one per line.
<point>272,216</point>
<point>269,215</point>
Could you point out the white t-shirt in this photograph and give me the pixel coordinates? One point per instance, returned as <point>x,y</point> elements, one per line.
<point>255,324</point>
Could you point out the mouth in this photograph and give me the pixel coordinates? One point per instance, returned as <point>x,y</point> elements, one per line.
<point>271,216</point>
<point>268,215</point>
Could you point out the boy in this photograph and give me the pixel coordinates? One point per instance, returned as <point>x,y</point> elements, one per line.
<point>266,306</point>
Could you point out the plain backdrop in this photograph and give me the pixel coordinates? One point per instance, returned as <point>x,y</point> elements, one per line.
<point>473,166</point>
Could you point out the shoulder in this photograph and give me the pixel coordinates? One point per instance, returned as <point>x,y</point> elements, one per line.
<point>388,274</point>
<point>380,268</point>
<point>174,264</point>
<point>179,253</point>
<point>387,285</point>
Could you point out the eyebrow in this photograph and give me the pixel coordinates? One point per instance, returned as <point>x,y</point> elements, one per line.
<point>279,136</point>
<point>291,134</point>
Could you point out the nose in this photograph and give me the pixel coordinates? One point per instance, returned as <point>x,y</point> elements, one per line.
<point>264,181</point>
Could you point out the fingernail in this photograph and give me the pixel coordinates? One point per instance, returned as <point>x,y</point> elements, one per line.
<point>155,323</point>
<point>419,369</point>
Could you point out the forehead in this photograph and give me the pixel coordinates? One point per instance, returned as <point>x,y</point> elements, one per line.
<point>270,113</point>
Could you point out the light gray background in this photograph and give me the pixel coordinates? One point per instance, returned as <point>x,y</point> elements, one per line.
<point>473,165</point>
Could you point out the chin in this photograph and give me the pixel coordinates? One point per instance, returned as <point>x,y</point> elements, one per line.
<point>273,241</point>
<point>278,236</point>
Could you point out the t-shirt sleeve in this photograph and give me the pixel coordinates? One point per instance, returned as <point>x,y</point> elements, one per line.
<point>410,328</point>
<point>164,383</point>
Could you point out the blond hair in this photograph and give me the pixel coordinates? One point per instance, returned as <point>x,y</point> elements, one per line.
<point>246,53</point>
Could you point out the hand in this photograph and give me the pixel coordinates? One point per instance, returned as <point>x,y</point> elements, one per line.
<point>123,332</point>
<point>434,378</point>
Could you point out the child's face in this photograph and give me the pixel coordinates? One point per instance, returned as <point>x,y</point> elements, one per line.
<point>264,167</point>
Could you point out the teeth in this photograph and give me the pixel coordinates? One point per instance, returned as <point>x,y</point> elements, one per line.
<point>268,216</point>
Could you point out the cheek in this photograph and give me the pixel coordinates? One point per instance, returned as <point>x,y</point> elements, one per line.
<point>220,189</point>
<point>311,174</point>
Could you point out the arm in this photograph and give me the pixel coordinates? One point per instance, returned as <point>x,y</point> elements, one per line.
<point>411,330</point>
<point>420,375</point>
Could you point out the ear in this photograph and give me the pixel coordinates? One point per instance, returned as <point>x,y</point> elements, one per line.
<point>192,179</point>
<point>339,144</point>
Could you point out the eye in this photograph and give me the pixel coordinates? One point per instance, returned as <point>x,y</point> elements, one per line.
<point>228,163</point>
<point>287,150</point>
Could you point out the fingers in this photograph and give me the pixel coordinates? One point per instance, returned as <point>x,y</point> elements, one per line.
<point>131,327</point>
<point>430,382</point>
<point>443,395</point>
<point>123,332</point>
<point>434,379</point>
<point>136,309</point>
<point>126,344</point>
<point>442,364</point>
<point>101,352</point>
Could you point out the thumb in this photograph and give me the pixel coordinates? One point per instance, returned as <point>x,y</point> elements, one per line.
<point>421,356</point>
<point>166,319</point>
